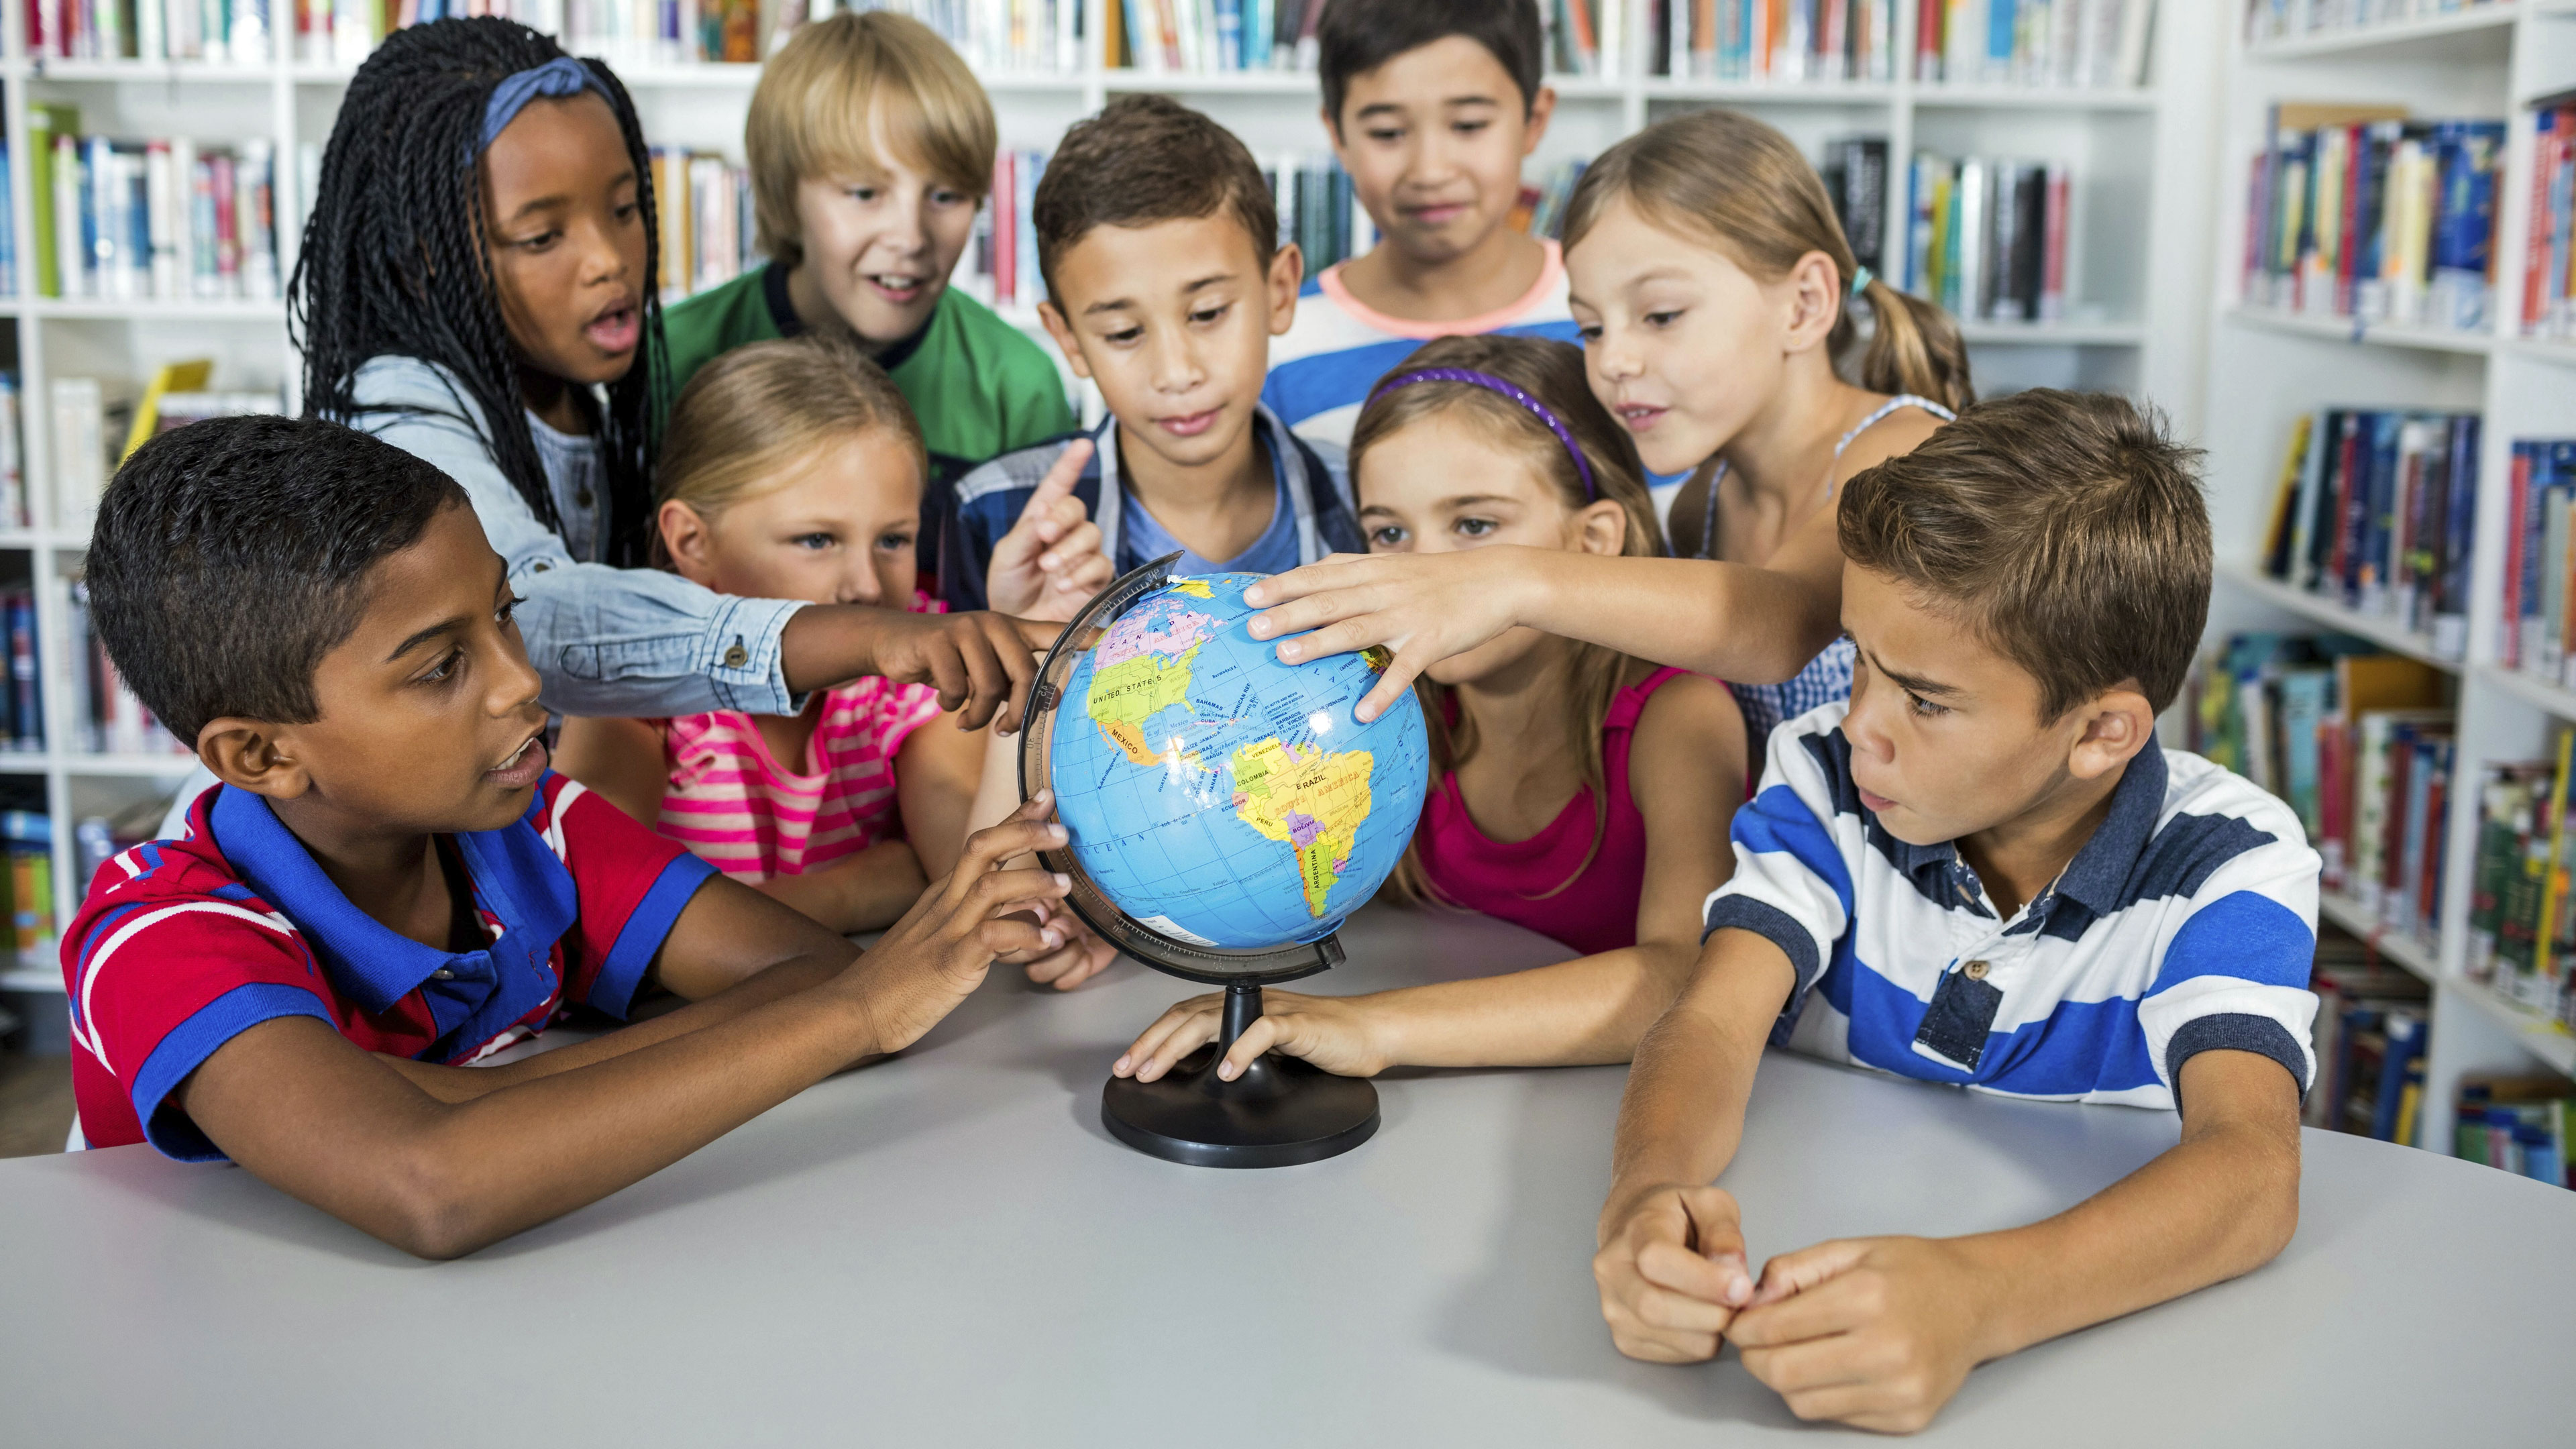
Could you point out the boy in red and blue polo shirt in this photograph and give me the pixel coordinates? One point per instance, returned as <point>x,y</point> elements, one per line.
<point>389,883</point>
<point>184,943</point>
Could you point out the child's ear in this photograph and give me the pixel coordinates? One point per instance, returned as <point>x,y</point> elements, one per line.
<point>1541,110</point>
<point>1815,301</point>
<point>253,754</point>
<point>1604,525</point>
<point>686,537</point>
<point>1287,273</point>
<point>2118,723</point>
<point>1062,332</point>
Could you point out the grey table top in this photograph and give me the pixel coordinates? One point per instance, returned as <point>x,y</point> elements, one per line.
<point>949,1249</point>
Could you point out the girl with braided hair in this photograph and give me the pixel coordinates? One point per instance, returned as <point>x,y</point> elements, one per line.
<point>478,287</point>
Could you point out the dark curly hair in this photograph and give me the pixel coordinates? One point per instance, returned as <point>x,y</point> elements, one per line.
<point>394,257</point>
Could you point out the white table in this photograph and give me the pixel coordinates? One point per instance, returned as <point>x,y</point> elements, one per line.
<point>948,1250</point>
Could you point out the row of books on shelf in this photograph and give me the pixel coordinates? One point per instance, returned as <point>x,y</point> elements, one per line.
<point>27,879</point>
<point>2369,1038</point>
<point>97,421</point>
<point>2357,741</point>
<point>704,217</point>
<point>1986,238</point>
<point>2522,932</point>
<point>343,32</point>
<point>164,218</point>
<point>2359,211</point>
<point>2289,19</point>
<point>109,720</point>
<point>2376,509</point>
<point>2549,259</point>
<point>2539,603</point>
<point>2521,1124</point>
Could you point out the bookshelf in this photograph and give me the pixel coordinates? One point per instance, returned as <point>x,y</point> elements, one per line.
<point>2136,252</point>
<point>2267,367</point>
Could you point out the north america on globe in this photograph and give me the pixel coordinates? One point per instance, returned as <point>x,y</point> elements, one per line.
<point>1219,796</point>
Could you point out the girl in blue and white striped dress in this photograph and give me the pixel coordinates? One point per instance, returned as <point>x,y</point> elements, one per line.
<point>1712,286</point>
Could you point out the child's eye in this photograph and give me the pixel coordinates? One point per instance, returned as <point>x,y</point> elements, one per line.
<point>539,242</point>
<point>1588,335</point>
<point>862,193</point>
<point>1386,136</point>
<point>626,211</point>
<point>1924,708</point>
<point>1124,336</point>
<point>1474,527</point>
<point>1391,536</point>
<point>1663,319</point>
<point>1469,128</point>
<point>945,197</point>
<point>813,540</point>
<point>445,669</point>
<point>894,542</point>
<point>1211,314</point>
<point>508,613</point>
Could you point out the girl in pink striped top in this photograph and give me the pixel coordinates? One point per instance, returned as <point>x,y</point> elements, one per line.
<point>1577,791</point>
<point>794,470</point>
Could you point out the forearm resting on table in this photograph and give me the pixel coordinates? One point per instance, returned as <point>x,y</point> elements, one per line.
<point>862,892</point>
<point>1682,1115</point>
<point>441,1179</point>
<point>1576,1013</point>
<point>1729,621</point>
<point>2221,1203</point>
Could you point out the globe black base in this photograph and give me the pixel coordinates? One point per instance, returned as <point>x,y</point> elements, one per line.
<point>1280,1112</point>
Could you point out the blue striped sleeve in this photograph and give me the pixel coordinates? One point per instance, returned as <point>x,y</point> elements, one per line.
<point>1792,885</point>
<point>185,1047</point>
<point>644,931</point>
<point>2234,973</point>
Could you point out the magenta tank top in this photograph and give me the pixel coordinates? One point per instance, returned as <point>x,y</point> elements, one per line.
<point>1517,880</point>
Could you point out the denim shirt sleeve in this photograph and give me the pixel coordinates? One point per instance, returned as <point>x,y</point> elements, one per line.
<point>606,641</point>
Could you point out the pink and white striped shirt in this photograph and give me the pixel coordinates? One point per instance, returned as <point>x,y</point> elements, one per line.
<point>737,807</point>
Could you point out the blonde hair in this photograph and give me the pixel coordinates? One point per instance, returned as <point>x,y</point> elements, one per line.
<point>847,89</point>
<point>1553,373</point>
<point>758,411</point>
<point>1745,188</point>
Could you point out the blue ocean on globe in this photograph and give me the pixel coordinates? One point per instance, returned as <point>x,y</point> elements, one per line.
<point>1219,796</point>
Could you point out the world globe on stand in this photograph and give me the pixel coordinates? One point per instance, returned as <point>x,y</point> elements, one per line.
<point>1225,812</point>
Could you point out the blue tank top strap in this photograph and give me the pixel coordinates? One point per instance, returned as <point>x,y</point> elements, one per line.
<point>1901,400</point>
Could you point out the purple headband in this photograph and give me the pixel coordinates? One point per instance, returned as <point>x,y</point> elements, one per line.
<point>1516,393</point>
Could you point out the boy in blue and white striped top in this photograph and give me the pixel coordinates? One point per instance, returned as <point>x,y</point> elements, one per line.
<point>1984,871</point>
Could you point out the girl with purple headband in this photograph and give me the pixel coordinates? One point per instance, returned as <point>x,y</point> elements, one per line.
<point>1580,792</point>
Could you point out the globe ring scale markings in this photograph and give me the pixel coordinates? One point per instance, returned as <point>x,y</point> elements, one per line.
<point>1225,813</point>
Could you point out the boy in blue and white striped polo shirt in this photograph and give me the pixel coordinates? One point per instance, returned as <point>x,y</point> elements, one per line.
<point>1984,871</point>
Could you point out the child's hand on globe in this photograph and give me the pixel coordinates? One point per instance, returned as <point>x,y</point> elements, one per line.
<point>1336,1033</point>
<point>1082,956</point>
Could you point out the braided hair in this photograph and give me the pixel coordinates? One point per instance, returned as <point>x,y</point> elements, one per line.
<point>394,258</point>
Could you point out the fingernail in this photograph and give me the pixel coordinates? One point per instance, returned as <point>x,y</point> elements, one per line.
<point>1043,797</point>
<point>1056,833</point>
<point>1063,882</point>
<point>1119,1065</point>
<point>1738,1288</point>
<point>1290,650</point>
<point>1225,1072</point>
<point>1048,563</point>
<point>1051,938</point>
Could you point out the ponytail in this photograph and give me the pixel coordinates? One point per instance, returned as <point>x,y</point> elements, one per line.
<point>1913,347</point>
<point>1746,188</point>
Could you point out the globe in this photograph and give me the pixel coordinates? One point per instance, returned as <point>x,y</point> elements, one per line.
<point>1222,798</point>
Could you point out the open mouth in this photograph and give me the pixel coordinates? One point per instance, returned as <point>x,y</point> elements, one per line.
<point>1638,417</point>
<point>897,288</point>
<point>1878,804</point>
<point>523,767</point>
<point>616,330</point>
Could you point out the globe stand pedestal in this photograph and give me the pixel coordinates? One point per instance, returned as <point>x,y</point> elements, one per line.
<point>1280,1112</point>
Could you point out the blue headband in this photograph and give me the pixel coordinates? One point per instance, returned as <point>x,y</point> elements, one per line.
<point>559,77</point>
<point>1491,383</point>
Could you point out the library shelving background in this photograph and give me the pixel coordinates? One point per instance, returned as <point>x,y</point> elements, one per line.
<point>2153,298</point>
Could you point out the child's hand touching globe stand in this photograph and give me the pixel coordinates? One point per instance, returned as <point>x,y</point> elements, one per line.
<point>1226,812</point>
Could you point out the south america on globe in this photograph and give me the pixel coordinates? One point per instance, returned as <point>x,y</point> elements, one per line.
<point>1219,796</point>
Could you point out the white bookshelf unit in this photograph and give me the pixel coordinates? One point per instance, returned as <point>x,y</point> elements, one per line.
<point>2267,368</point>
<point>2137,249</point>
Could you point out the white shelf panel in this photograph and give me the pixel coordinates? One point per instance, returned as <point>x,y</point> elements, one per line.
<point>147,309</point>
<point>2349,39</point>
<point>2035,98</point>
<point>31,978</point>
<point>2055,334</point>
<point>2542,349</point>
<point>2357,330</point>
<point>2412,952</point>
<point>129,72</point>
<point>127,766</point>
<point>1769,93</point>
<point>2387,633</point>
<point>2530,1030</point>
<point>2531,687</point>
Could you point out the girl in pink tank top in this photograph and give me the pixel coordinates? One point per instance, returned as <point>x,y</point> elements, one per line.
<point>1576,791</point>
<point>794,470</point>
